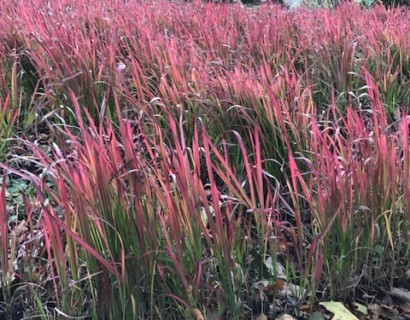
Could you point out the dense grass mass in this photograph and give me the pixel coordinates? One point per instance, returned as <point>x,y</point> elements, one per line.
<point>196,158</point>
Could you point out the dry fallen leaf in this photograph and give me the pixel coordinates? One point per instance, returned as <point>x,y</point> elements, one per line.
<point>290,290</point>
<point>262,316</point>
<point>382,311</point>
<point>406,308</point>
<point>198,314</point>
<point>19,231</point>
<point>285,317</point>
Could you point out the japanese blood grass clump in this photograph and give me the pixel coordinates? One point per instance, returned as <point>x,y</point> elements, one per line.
<point>8,117</point>
<point>196,141</point>
<point>147,50</point>
<point>392,75</point>
<point>10,106</point>
<point>127,220</point>
<point>6,261</point>
<point>134,209</point>
<point>332,51</point>
<point>70,59</point>
<point>356,189</point>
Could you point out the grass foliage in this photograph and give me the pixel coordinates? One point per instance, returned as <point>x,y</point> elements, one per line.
<point>180,154</point>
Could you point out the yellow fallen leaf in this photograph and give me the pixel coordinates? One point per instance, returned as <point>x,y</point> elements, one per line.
<point>340,312</point>
<point>361,308</point>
